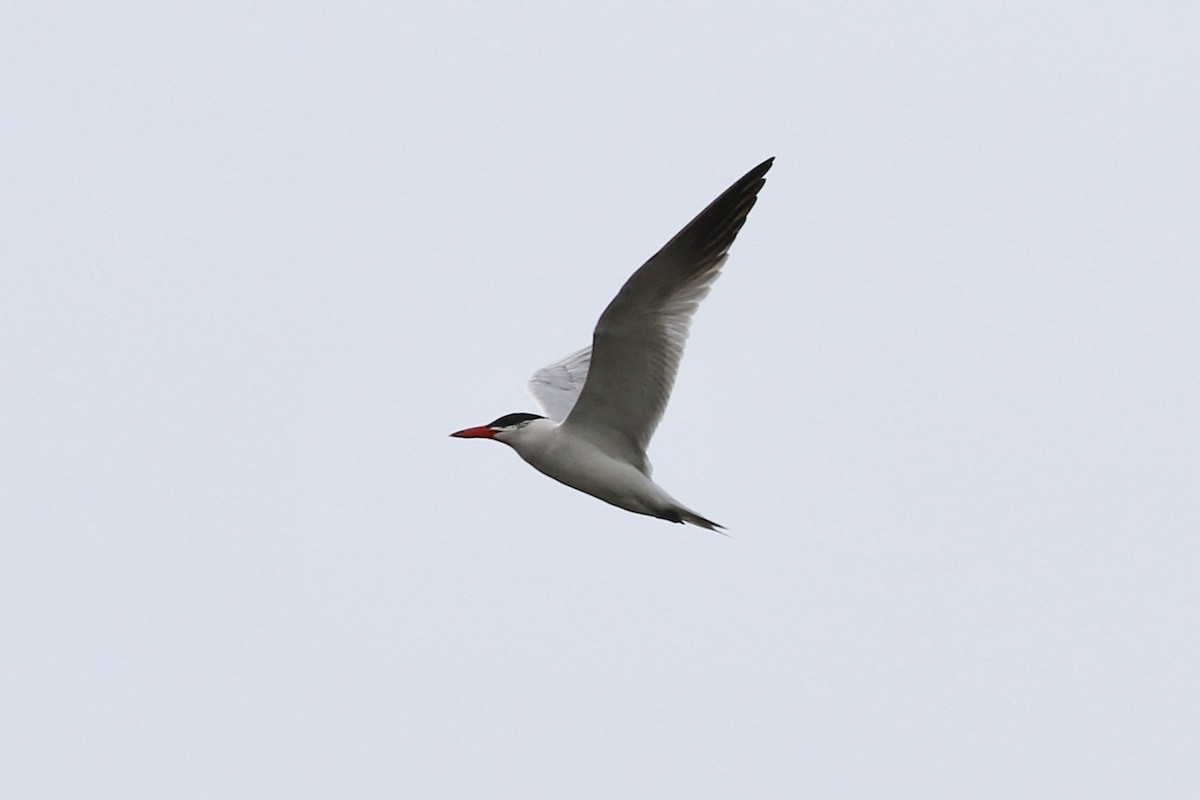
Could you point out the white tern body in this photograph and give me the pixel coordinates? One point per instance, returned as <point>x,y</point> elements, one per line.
<point>604,402</point>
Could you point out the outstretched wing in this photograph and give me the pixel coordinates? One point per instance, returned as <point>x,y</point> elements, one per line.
<point>639,340</point>
<point>556,386</point>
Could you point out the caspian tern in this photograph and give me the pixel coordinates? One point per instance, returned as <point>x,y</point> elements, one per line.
<point>603,402</point>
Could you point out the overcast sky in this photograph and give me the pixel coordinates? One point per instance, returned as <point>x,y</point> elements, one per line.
<point>258,260</point>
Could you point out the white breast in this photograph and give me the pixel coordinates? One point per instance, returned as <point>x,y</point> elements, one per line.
<point>581,465</point>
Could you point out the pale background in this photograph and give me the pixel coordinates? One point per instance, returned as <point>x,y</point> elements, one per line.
<point>259,259</point>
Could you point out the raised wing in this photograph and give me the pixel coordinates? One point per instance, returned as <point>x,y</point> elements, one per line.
<point>639,340</point>
<point>556,386</point>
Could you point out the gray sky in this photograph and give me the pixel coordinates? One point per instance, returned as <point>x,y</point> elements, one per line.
<point>259,261</point>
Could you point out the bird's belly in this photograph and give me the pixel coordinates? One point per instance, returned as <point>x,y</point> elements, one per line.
<point>594,472</point>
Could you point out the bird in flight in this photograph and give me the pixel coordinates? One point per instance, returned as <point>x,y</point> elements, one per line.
<point>602,403</point>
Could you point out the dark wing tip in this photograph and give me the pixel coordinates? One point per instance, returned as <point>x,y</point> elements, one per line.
<point>713,230</point>
<point>755,175</point>
<point>762,168</point>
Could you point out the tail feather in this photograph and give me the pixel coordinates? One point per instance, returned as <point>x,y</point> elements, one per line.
<point>681,514</point>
